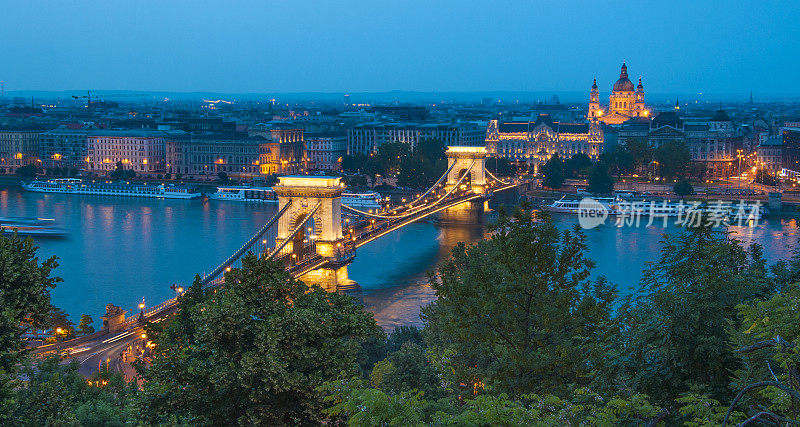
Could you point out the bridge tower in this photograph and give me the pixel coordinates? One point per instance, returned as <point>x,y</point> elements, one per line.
<point>459,161</point>
<point>319,197</point>
<point>462,157</point>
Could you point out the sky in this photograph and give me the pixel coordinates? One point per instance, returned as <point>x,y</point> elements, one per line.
<point>712,47</point>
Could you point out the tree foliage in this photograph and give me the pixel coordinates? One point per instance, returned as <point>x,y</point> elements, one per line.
<point>553,172</point>
<point>253,351</point>
<point>677,323</point>
<point>510,308</point>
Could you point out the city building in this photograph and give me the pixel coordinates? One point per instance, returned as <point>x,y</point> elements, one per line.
<point>63,147</point>
<point>534,142</point>
<point>325,150</point>
<point>715,143</point>
<point>19,146</point>
<point>283,152</point>
<point>626,101</point>
<point>769,154</point>
<point>790,137</point>
<point>139,150</point>
<point>207,155</point>
<point>365,138</point>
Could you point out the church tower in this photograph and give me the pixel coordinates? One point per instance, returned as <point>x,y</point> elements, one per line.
<point>594,103</point>
<point>639,109</point>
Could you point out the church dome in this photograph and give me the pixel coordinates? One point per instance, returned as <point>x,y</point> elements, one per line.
<point>623,84</point>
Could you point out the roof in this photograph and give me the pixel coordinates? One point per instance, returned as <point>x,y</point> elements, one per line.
<point>720,116</point>
<point>513,127</point>
<point>140,133</point>
<point>573,128</point>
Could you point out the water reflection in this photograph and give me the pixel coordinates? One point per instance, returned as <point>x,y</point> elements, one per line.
<point>122,249</point>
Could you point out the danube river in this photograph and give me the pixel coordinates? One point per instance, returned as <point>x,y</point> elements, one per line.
<point>120,250</point>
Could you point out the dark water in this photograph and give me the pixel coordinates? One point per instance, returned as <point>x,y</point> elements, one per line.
<point>120,250</point>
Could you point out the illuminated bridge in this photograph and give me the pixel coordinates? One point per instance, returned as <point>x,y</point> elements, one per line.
<point>314,240</point>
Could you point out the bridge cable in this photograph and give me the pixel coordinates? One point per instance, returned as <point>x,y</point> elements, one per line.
<point>248,245</point>
<point>412,212</point>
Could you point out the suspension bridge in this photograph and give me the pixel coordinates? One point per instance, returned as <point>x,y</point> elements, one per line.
<point>316,236</point>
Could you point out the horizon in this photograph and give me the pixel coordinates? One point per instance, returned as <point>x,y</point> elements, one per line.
<point>298,48</point>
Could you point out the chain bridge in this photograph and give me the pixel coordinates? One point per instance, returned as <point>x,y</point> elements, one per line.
<point>316,236</point>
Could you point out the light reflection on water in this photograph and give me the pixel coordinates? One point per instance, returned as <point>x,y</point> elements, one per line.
<point>122,249</point>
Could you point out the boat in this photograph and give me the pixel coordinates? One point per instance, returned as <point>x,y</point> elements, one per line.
<point>31,226</point>
<point>572,206</point>
<point>108,188</point>
<point>245,194</point>
<point>363,201</point>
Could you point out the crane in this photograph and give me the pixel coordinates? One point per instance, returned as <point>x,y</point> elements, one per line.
<point>88,98</point>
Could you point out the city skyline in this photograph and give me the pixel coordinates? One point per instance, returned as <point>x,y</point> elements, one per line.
<point>680,48</point>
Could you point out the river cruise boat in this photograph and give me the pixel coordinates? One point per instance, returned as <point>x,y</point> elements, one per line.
<point>245,194</point>
<point>571,206</point>
<point>108,188</point>
<point>31,226</point>
<point>363,201</point>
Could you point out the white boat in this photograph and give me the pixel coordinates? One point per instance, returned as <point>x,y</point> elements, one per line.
<point>571,206</point>
<point>363,201</point>
<point>31,226</point>
<point>245,194</point>
<point>108,188</point>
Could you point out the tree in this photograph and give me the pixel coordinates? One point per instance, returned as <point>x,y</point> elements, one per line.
<point>578,165</point>
<point>640,152</point>
<point>600,181</point>
<point>553,172</point>
<point>120,173</point>
<point>24,296</point>
<point>676,336</point>
<point>222,178</point>
<point>764,177</point>
<point>683,188</point>
<point>767,339</point>
<point>27,171</point>
<point>85,326</point>
<point>405,370</point>
<point>517,312</point>
<point>673,159</point>
<point>55,393</point>
<point>501,166</point>
<point>252,351</point>
<point>424,166</point>
<point>24,305</point>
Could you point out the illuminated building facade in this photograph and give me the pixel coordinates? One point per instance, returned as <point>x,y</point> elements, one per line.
<point>625,102</point>
<point>63,148</point>
<point>19,146</point>
<point>365,138</point>
<point>139,150</point>
<point>236,155</point>
<point>535,142</point>
<point>325,150</point>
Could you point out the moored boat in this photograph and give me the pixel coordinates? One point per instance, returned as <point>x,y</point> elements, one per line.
<point>108,188</point>
<point>363,201</point>
<point>245,194</point>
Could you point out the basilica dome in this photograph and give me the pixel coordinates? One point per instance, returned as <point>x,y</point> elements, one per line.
<point>623,84</point>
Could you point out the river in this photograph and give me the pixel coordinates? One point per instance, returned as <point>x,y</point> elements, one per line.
<point>121,250</point>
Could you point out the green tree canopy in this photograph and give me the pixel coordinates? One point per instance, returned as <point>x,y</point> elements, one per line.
<point>553,172</point>
<point>676,338</point>
<point>512,310</point>
<point>673,159</point>
<point>252,351</point>
<point>600,181</point>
